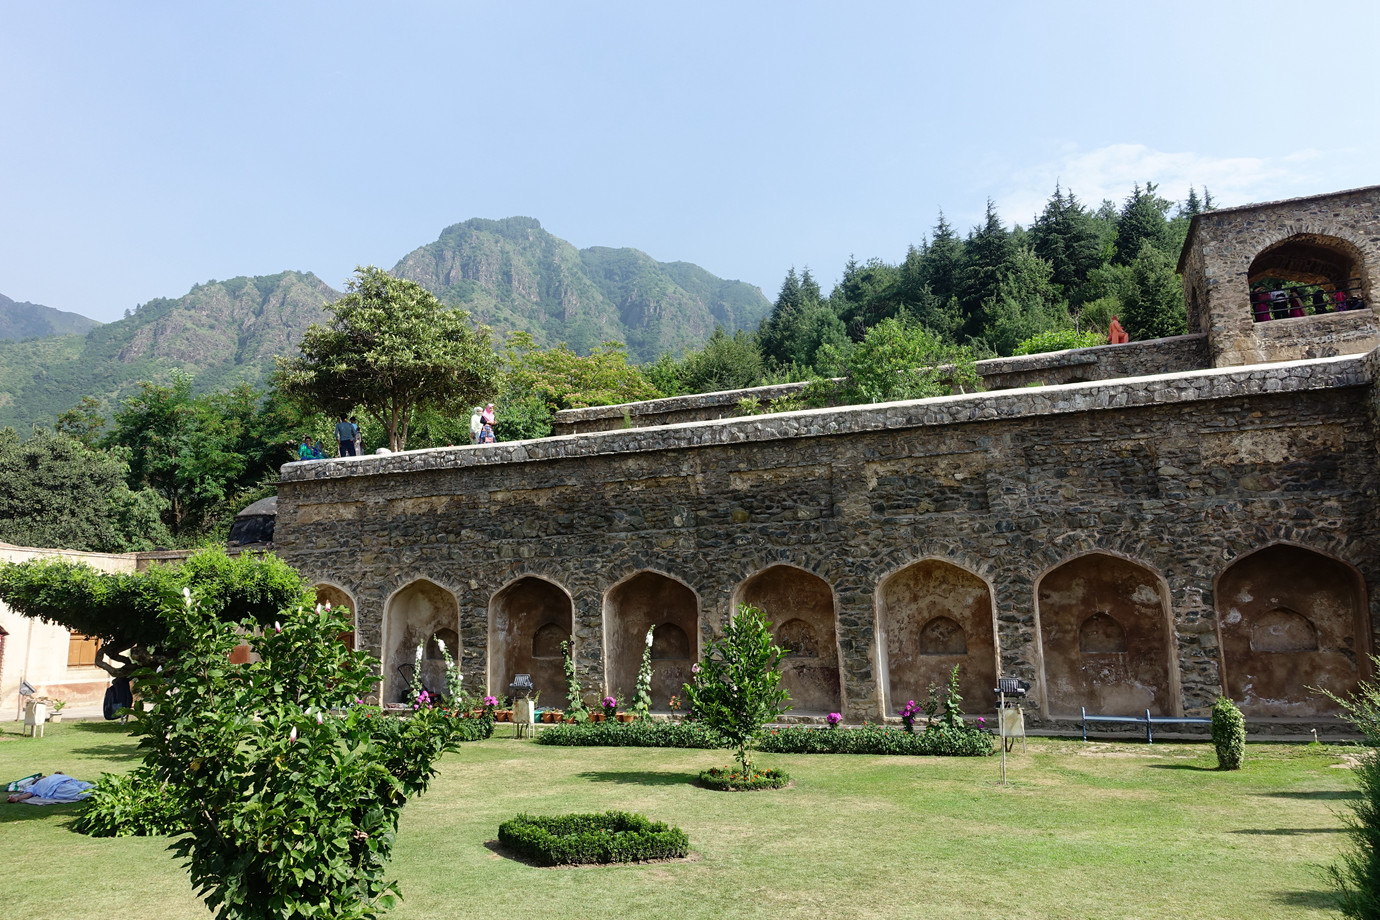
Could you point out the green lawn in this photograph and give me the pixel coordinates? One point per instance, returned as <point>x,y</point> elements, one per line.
<point>1097,830</point>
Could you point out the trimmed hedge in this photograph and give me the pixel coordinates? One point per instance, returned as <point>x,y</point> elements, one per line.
<point>726,779</point>
<point>795,739</point>
<point>610,837</point>
<point>645,733</point>
<point>1228,734</point>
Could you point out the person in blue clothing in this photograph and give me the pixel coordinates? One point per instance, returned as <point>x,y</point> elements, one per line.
<point>345,436</point>
<point>486,434</point>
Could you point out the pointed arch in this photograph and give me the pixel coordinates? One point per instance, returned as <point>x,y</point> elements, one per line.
<point>336,596</point>
<point>1105,638</point>
<point>800,606</point>
<point>933,615</point>
<point>412,615</point>
<point>529,618</point>
<point>643,600</point>
<point>1290,619</point>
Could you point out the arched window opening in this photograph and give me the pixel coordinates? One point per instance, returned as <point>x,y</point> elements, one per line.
<point>1283,630</point>
<point>800,606</point>
<point>1306,275</point>
<point>546,642</point>
<point>1100,634</point>
<point>433,647</point>
<point>943,636</point>
<point>670,643</point>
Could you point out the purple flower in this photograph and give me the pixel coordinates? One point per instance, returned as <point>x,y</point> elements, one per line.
<point>608,702</point>
<point>490,701</point>
<point>833,719</point>
<point>694,669</point>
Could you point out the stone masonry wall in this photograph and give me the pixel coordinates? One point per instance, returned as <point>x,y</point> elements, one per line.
<point>1103,362</point>
<point>1179,474</point>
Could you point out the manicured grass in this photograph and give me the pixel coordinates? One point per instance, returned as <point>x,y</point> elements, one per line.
<point>1085,831</point>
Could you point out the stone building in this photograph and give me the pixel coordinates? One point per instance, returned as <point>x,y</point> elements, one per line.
<point>1155,524</point>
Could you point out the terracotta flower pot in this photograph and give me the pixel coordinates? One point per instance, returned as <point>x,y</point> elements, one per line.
<point>596,717</point>
<point>626,717</point>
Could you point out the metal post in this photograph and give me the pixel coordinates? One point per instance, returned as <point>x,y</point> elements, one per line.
<point>1001,722</point>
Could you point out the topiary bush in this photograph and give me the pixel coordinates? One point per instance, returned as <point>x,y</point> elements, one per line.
<point>726,780</point>
<point>1228,734</point>
<point>132,805</point>
<point>610,837</point>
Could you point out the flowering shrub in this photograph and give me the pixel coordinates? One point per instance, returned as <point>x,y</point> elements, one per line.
<point>611,837</point>
<point>833,719</point>
<point>610,704</point>
<point>490,703</point>
<point>642,698</point>
<point>908,714</point>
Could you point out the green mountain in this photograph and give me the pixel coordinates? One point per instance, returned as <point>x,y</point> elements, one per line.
<point>512,274</point>
<point>222,332</point>
<point>20,321</point>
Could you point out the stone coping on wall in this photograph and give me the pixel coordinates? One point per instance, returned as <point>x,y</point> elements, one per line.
<point>988,370</point>
<point>1121,393</point>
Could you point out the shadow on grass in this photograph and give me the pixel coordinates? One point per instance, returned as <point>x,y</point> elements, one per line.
<point>1182,766</point>
<point>640,777</point>
<point>13,814</point>
<point>1318,900</point>
<point>1321,795</point>
<point>1287,831</point>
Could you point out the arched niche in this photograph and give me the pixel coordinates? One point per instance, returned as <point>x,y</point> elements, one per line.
<point>933,615</point>
<point>1311,265</point>
<point>1290,619</point>
<point>800,607</point>
<point>634,605</point>
<point>1101,634</point>
<point>337,598</point>
<point>1105,639</point>
<point>412,617</point>
<point>528,621</point>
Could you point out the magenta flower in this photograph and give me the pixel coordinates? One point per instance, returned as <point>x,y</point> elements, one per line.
<point>833,719</point>
<point>490,701</point>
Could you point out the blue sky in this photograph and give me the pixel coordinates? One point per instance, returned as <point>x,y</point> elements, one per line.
<point>147,147</point>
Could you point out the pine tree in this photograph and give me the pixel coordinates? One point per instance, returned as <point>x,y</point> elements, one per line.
<point>1065,237</point>
<point>1153,304</point>
<point>1142,220</point>
<point>987,256</point>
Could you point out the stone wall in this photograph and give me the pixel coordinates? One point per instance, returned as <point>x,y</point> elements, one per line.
<point>1103,362</point>
<point>1216,267</point>
<point>1177,475</point>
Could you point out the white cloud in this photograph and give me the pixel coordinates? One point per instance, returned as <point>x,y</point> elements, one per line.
<point>1111,171</point>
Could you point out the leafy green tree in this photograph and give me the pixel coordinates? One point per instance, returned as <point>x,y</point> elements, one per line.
<point>1026,304</point>
<point>801,323</point>
<point>55,491</point>
<point>127,610</point>
<point>942,262</point>
<point>866,295</point>
<point>737,686</point>
<point>1059,340</point>
<point>1153,305</point>
<point>390,349</point>
<point>565,380</point>
<point>898,359</point>
<point>290,790</point>
<point>83,422</point>
<point>726,362</point>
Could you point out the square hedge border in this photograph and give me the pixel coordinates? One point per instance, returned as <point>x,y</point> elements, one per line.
<point>592,839</point>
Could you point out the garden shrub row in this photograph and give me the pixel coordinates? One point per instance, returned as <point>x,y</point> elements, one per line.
<point>796,739</point>
<point>610,837</point>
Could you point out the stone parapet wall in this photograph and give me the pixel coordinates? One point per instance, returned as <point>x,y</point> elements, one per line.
<point>1103,362</point>
<point>1177,475</point>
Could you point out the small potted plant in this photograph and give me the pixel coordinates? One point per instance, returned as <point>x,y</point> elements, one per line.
<point>675,705</point>
<point>833,719</point>
<point>610,706</point>
<point>55,708</point>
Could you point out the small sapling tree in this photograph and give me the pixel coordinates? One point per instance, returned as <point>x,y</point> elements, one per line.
<point>1356,880</point>
<point>290,788</point>
<point>737,686</point>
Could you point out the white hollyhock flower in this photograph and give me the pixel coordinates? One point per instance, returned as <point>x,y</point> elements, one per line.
<point>649,637</point>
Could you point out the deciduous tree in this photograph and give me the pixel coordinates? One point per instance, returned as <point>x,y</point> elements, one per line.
<point>389,349</point>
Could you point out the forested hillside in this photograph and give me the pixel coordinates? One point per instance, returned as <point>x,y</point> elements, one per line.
<point>32,320</point>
